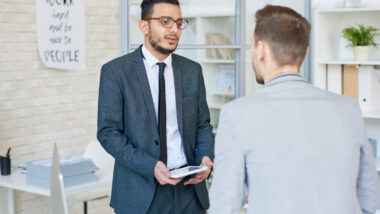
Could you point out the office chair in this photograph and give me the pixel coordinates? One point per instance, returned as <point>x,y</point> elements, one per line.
<point>105,162</point>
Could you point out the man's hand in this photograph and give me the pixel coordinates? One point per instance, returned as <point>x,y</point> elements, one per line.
<point>162,175</point>
<point>206,161</point>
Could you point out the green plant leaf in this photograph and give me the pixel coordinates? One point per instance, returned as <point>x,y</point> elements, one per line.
<point>361,36</point>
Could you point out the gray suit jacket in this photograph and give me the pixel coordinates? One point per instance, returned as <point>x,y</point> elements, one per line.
<point>299,149</point>
<point>127,127</point>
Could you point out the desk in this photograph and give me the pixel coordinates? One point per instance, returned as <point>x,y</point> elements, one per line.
<point>17,181</point>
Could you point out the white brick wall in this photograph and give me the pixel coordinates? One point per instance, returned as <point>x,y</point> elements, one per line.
<point>40,106</point>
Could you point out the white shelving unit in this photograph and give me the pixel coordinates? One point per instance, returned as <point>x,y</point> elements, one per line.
<point>330,53</point>
<point>347,10</point>
<point>330,48</point>
<point>216,61</point>
<point>233,19</point>
<point>371,115</point>
<point>221,19</point>
<point>348,62</point>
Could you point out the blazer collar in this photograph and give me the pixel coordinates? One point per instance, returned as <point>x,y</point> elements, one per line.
<point>152,60</point>
<point>177,72</point>
<point>284,77</point>
<point>144,83</point>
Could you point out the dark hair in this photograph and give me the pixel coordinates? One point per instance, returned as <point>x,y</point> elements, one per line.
<point>286,32</point>
<point>147,6</point>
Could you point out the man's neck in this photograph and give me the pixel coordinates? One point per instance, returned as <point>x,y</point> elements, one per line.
<point>280,70</point>
<point>160,56</point>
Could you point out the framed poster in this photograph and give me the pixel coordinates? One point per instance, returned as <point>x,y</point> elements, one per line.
<point>225,81</point>
<point>60,33</point>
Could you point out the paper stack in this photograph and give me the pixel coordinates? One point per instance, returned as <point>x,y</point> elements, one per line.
<point>75,170</point>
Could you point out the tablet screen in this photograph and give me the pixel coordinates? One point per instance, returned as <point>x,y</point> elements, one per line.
<point>189,170</point>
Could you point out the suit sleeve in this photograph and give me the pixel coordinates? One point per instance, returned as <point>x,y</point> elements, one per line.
<point>367,183</point>
<point>205,137</point>
<point>111,128</point>
<point>367,187</point>
<point>227,189</point>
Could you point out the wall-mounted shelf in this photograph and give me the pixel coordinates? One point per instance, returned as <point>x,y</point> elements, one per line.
<point>215,106</point>
<point>216,61</point>
<point>330,48</point>
<point>372,115</point>
<point>204,11</point>
<point>348,62</point>
<point>193,11</point>
<point>345,10</point>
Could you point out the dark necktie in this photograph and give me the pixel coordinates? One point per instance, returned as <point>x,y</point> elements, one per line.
<point>162,113</point>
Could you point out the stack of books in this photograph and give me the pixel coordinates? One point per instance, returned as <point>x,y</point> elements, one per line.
<point>75,171</point>
<point>219,39</point>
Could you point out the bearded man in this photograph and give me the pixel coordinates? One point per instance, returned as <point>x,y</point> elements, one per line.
<point>153,117</point>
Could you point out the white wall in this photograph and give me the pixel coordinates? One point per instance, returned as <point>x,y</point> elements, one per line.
<point>40,106</point>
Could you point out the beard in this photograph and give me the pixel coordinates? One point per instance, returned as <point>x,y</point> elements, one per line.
<point>259,77</point>
<point>154,41</point>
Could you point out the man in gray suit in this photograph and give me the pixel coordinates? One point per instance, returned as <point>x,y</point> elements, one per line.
<point>299,149</point>
<point>153,117</point>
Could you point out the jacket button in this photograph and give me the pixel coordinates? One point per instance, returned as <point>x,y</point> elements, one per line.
<point>156,142</point>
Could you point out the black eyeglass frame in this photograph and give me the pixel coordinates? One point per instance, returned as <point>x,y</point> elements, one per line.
<point>179,22</point>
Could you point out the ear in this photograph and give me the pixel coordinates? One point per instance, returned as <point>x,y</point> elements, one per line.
<point>144,26</point>
<point>261,50</point>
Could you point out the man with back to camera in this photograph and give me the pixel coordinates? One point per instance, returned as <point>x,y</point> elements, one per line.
<point>299,149</point>
<point>153,117</point>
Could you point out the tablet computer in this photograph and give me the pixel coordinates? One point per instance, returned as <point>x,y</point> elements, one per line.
<point>188,170</point>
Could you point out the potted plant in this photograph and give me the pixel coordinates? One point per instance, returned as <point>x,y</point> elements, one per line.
<point>360,39</point>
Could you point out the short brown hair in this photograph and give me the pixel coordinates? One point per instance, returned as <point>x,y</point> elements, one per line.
<point>286,32</point>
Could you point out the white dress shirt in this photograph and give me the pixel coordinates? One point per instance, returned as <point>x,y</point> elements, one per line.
<point>176,155</point>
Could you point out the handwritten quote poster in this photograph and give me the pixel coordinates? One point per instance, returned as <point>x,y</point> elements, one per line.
<point>60,33</point>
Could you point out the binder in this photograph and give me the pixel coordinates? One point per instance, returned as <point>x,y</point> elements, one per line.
<point>369,89</point>
<point>334,78</point>
<point>351,81</point>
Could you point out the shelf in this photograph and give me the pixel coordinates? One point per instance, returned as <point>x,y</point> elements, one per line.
<point>348,62</point>
<point>216,61</point>
<point>193,11</point>
<point>215,106</point>
<point>189,11</point>
<point>371,115</point>
<point>347,10</point>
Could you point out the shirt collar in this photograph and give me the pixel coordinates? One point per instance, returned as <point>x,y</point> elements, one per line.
<point>152,60</point>
<point>284,77</point>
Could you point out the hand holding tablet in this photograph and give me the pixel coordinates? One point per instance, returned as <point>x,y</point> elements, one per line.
<point>188,170</point>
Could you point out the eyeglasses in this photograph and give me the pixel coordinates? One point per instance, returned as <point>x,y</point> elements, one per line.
<point>168,22</point>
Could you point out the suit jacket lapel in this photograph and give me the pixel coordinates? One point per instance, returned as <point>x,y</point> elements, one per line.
<point>178,93</point>
<point>178,96</point>
<point>144,83</point>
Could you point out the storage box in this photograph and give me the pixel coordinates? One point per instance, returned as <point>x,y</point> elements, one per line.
<point>75,170</point>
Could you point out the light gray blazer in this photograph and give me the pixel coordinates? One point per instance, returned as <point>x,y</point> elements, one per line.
<point>301,150</point>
